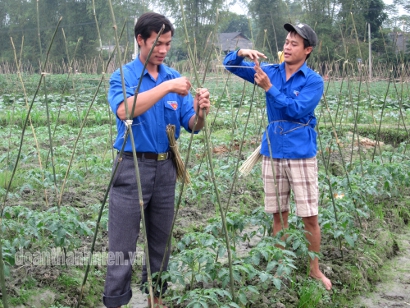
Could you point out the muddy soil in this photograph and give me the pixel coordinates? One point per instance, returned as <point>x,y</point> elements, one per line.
<point>394,288</point>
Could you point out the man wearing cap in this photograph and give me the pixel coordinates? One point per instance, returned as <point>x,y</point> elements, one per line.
<point>293,91</point>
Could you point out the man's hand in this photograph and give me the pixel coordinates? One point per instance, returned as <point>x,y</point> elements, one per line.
<point>202,102</point>
<point>179,85</point>
<point>147,99</point>
<point>251,54</point>
<point>262,79</point>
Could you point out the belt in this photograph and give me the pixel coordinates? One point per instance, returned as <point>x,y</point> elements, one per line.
<point>147,155</point>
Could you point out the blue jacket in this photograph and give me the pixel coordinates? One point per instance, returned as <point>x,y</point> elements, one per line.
<point>149,128</point>
<point>290,107</point>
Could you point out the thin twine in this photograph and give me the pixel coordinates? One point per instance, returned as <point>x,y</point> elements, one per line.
<point>240,66</point>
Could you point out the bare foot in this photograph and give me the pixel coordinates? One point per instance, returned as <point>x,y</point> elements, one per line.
<point>326,281</point>
<point>157,303</point>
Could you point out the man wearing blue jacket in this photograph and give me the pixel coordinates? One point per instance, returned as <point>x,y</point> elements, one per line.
<point>164,98</point>
<point>293,91</point>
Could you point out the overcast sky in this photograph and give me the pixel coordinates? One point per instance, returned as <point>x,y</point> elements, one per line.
<point>401,10</point>
<point>242,10</point>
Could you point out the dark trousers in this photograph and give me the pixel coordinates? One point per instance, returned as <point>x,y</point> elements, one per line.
<point>158,190</point>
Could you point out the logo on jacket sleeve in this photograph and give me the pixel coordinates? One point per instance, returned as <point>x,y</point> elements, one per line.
<point>173,104</point>
<point>296,92</point>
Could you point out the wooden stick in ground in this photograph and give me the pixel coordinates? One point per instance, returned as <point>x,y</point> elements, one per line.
<point>251,161</point>
<point>182,173</point>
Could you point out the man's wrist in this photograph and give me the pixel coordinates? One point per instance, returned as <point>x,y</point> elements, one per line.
<point>200,115</point>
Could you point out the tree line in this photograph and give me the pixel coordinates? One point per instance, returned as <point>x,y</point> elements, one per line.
<point>86,28</point>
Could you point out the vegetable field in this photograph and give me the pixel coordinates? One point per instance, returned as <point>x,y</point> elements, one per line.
<point>56,158</point>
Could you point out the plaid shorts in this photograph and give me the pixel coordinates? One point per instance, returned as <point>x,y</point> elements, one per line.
<point>301,176</point>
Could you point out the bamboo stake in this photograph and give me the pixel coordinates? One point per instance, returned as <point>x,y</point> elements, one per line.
<point>50,141</point>
<point>208,58</point>
<point>38,32</point>
<point>207,142</point>
<point>128,132</point>
<point>329,182</point>
<point>185,173</point>
<point>235,121</point>
<point>178,203</point>
<point>97,225</point>
<point>221,211</point>
<point>402,77</point>
<point>129,117</point>
<point>2,279</point>
<point>225,89</point>
<point>355,130</point>
<point>343,161</point>
<point>18,67</point>
<point>231,103</point>
<point>78,138</point>
<point>28,116</point>
<point>240,151</point>
<point>75,97</point>
<point>98,30</point>
<point>356,114</point>
<point>381,118</point>
<point>62,92</point>
<point>274,33</point>
<point>274,178</point>
<point>255,157</point>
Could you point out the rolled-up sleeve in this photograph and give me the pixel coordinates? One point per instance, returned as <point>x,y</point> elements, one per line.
<point>245,69</point>
<point>115,93</point>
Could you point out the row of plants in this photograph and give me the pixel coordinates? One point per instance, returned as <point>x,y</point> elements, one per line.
<point>352,181</point>
<point>199,260</point>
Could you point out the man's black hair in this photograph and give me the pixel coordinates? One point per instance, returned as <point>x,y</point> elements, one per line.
<point>306,43</point>
<point>152,22</point>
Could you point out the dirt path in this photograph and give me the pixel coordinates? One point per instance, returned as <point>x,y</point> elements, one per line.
<point>138,300</point>
<point>394,290</point>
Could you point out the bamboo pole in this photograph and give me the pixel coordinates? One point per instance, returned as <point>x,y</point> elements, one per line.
<point>381,118</point>
<point>402,80</point>
<point>207,142</point>
<point>78,138</point>
<point>38,32</point>
<point>2,279</point>
<point>62,92</point>
<point>328,181</point>
<point>28,117</point>
<point>234,179</point>
<point>342,158</point>
<point>221,211</point>
<point>128,133</point>
<point>274,178</point>
<point>356,113</point>
<point>129,128</point>
<point>97,225</point>
<point>225,89</point>
<point>18,67</point>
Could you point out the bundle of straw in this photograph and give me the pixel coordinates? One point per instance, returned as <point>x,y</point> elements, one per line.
<point>250,162</point>
<point>182,173</point>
